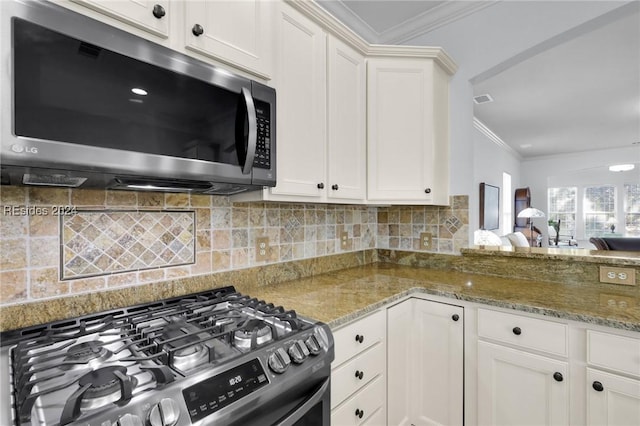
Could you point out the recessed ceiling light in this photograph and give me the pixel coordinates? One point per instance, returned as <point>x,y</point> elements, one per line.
<point>526,146</point>
<point>621,167</point>
<point>482,99</point>
<point>139,91</point>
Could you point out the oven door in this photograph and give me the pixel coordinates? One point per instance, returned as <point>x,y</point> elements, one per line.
<point>315,410</point>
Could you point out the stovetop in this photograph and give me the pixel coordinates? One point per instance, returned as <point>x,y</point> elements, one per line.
<point>180,360</point>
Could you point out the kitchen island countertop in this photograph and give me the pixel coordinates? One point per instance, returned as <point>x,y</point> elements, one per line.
<point>346,294</point>
<point>339,297</point>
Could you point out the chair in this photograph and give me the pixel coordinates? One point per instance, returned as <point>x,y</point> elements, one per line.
<point>555,237</point>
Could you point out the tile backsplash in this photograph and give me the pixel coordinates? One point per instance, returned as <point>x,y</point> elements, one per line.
<point>57,242</point>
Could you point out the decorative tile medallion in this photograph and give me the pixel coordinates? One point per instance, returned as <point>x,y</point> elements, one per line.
<point>106,242</point>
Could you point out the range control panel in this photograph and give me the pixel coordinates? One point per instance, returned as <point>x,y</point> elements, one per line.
<point>217,392</point>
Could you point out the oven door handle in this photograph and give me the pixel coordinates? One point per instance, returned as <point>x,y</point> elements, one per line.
<point>306,406</point>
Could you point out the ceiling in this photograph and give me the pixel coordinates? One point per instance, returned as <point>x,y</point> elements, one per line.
<point>578,90</point>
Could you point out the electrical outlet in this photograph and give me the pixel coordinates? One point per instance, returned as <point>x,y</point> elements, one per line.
<point>616,301</point>
<point>344,240</point>
<point>262,248</point>
<point>425,240</point>
<point>625,276</point>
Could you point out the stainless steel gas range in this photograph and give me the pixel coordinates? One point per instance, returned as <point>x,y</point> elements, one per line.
<point>211,358</point>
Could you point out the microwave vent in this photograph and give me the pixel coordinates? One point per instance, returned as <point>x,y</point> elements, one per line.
<point>52,180</point>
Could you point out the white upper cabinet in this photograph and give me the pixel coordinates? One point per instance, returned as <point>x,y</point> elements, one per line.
<point>151,16</point>
<point>346,141</point>
<point>239,33</point>
<point>408,131</point>
<point>301,105</point>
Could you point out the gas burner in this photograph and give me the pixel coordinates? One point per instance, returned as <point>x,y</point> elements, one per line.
<point>104,386</point>
<point>251,334</point>
<point>90,352</point>
<point>187,350</point>
<point>190,357</point>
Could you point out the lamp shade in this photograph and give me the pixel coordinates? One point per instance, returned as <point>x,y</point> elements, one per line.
<point>531,212</point>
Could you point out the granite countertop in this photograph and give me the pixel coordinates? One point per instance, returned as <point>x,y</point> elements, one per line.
<point>339,297</point>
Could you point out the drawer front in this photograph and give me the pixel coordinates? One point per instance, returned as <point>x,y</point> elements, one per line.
<point>618,353</point>
<point>358,336</point>
<point>354,374</point>
<point>526,332</point>
<point>358,409</point>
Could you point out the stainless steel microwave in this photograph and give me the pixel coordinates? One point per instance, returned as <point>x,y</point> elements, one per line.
<point>88,105</point>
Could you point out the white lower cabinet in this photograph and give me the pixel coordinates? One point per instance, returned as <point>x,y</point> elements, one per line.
<point>613,398</point>
<point>519,388</point>
<point>515,385</point>
<point>358,373</point>
<point>425,341</point>
<point>367,407</point>
<point>405,365</point>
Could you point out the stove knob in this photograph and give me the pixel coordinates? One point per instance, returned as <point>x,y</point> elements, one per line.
<point>313,345</point>
<point>165,413</point>
<point>298,352</point>
<point>279,361</point>
<point>129,420</point>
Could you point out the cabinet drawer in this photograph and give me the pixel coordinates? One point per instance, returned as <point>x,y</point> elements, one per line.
<point>618,353</point>
<point>365,403</point>
<point>526,332</point>
<point>358,336</point>
<point>354,374</point>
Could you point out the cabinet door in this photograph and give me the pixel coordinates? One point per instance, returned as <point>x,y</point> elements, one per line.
<point>425,363</point>
<point>612,400</point>
<point>407,131</point>
<point>519,388</point>
<point>401,350</point>
<point>139,13</point>
<point>439,333</point>
<point>239,33</point>
<point>301,87</point>
<point>346,142</point>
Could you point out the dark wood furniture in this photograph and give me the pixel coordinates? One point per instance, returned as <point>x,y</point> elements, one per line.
<point>522,200</point>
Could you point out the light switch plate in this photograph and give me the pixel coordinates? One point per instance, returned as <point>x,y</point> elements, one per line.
<point>624,276</point>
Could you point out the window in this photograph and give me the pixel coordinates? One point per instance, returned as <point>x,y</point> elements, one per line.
<point>507,204</point>
<point>599,208</point>
<point>562,207</point>
<point>632,210</point>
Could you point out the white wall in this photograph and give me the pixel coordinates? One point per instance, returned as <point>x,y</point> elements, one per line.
<point>489,162</point>
<point>504,31</point>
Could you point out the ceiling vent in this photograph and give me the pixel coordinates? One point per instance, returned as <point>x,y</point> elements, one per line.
<point>482,99</point>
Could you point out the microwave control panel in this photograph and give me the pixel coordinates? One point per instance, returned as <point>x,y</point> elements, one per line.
<point>262,159</point>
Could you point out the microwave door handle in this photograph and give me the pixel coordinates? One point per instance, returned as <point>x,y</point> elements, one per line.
<point>253,131</point>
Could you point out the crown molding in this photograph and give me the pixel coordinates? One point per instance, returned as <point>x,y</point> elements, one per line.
<point>437,53</point>
<point>330,23</point>
<point>340,30</point>
<point>482,128</point>
<point>436,17</point>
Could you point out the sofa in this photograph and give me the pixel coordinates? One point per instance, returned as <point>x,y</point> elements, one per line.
<point>616,243</point>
